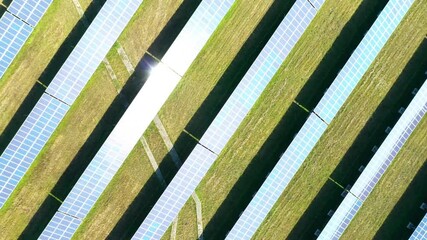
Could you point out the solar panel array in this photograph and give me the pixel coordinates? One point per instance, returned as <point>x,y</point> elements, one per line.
<point>327,108</point>
<point>64,88</point>
<point>420,232</point>
<point>377,166</point>
<point>227,121</point>
<point>30,11</point>
<point>13,34</point>
<point>136,119</point>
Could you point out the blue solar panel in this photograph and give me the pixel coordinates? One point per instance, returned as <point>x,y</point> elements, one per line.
<point>278,179</point>
<point>361,59</point>
<point>378,164</point>
<point>304,142</point>
<point>141,111</point>
<point>420,232</point>
<point>13,34</point>
<point>229,118</point>
<point>28,142</point>
<point>31,11</point>
<point>91,49</point>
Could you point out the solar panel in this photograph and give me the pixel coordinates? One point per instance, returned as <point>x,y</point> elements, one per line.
<point>228,119</point>
<point>28,142</point>
<point>334,98</point>
<point>378,164</point>
<point>66,85</point>
<point>278,179</point>
<point>31,11</point>
<point>420,232</point>
<point>13,34</point>
<point>91,49</point>
<point>65,226</point>
<point>361,59</point>
<point>139,114</point>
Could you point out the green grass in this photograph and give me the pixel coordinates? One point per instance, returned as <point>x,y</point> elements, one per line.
<point>252,151</point>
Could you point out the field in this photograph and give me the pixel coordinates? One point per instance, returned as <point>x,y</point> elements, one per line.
<point>255,147</point>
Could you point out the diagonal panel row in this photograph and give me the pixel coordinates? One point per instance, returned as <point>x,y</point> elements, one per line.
<point>67,84</point>
<point>139,114</point>
<point>228,119</point>
<point>378,165</point>
<point>30,11</point>
<point>325,111</point>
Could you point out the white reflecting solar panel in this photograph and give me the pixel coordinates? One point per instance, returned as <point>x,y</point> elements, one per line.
<point>31,11</point>
<point>28,142</point>
<point>278,179</point>
<point>228,119</point>
<point>139,114</point>
<point>362,58</point>
<point>13,34</point>
<point>379,163</point>
<point>91,49</point>
<point>420,232</point>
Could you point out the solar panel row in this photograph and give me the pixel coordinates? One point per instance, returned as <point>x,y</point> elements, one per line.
<point>378,165</point>
<point>63,90</point>
<point>327,108</point>
<point>13,34</point>
<point>139,114</point>
<point>420,232</point>
<point>228,119</point>
<point>30,11</point>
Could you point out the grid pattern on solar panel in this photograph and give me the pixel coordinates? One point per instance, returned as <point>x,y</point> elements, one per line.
<point>197,31</point>
<point>64,227</point>
<point>379,162</point>
<point>231,115</point>
<point>31,11</point>
<point>252,215</point>
<point>28,142</point>
<point>258,76</point>
<point>158,220</point>
<point>134,122</point>
<point>278,179</point>
<point>91,49</point>
<point>420,232</point>
<point>13,34</point>
<point>362,58</point>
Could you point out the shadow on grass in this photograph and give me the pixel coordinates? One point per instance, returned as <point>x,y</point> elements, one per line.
<point>254,175</point>
<point>110,118</point>
<point>407,209</point>
<point>151,191</point>
<point>47,76</point>
<point>359,153</point>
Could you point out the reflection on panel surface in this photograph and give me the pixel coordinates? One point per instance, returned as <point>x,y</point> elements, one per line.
<point>141,111</point>
<point>228,119</point>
